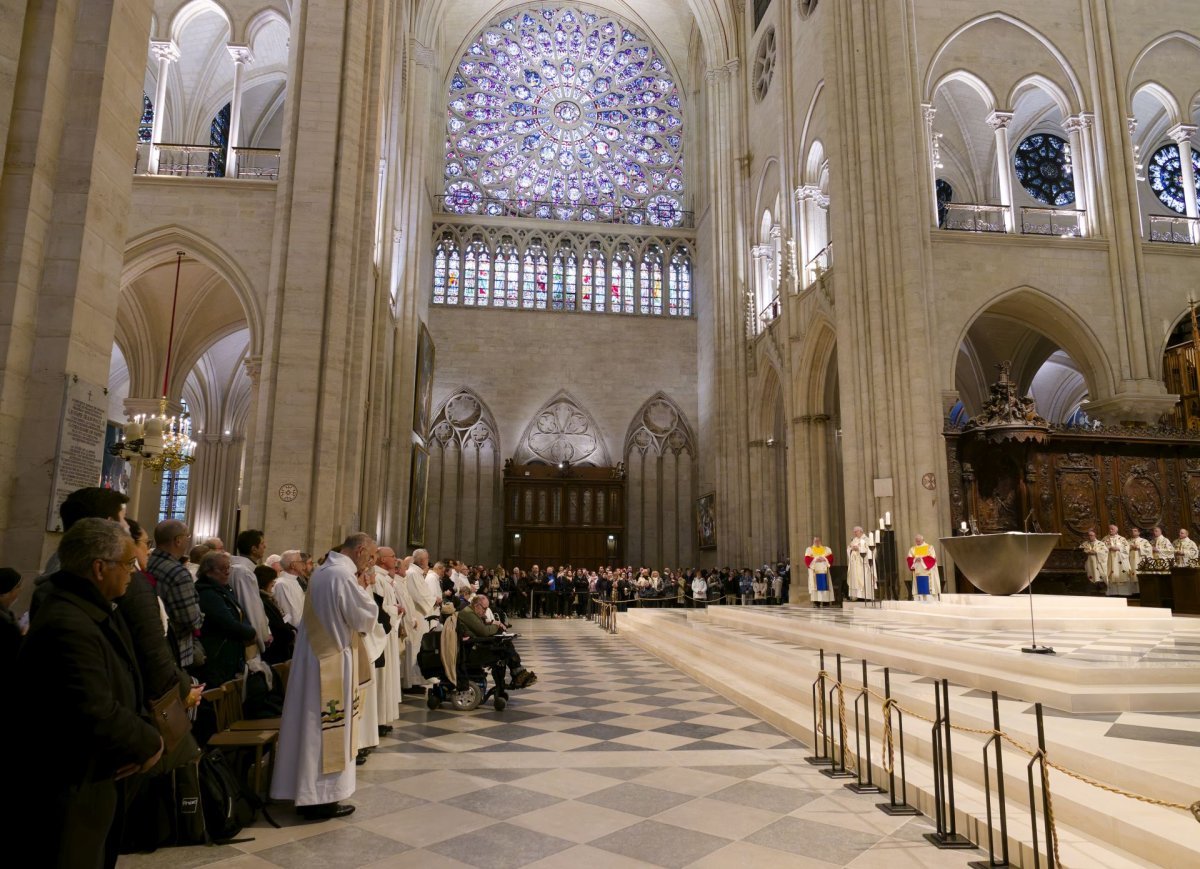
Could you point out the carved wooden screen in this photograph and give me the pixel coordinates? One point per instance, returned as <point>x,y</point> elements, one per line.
<point>1078,480</point>
<point>574,516</point>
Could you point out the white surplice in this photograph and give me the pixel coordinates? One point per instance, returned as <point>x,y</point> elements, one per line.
<point>344,611</point>
<point>387,681</point>
<point>860,572</point>
<point>245,589</point>
<point>424,604</point>
<point>289,597</point>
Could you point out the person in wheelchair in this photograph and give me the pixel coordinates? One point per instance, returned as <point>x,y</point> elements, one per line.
<point>471,621</point>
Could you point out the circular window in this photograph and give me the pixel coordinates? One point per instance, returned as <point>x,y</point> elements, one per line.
<point>1043,165</point>
<point>764,64</point>
<point>1165,176</point>
<point>806,7</point>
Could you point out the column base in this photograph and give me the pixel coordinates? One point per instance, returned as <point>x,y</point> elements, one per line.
<point>1131,408</point>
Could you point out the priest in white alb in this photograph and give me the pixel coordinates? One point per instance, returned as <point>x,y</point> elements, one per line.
<point>818,559</point>
<point>922,562</point>
<point>1140,550</point>
<point>1164,549</point>
<point>860,571</point>
<point>1186,551</point>
<point>387,680</point>
<point>314,764</point>
<point>1116,564</point>
<point>1095,554</point>
<point>425,604</point>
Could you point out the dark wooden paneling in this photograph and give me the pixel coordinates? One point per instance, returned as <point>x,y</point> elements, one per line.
<point>563,516</point>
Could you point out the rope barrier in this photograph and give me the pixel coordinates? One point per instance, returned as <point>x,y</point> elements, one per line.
<point>1046,764</point>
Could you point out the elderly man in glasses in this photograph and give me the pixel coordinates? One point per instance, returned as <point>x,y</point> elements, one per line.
<point>79,722</point>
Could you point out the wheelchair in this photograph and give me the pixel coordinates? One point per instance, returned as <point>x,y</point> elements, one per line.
<point>477,660</point>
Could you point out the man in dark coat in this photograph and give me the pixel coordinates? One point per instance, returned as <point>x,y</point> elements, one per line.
<point>226,631</point>
<point>81,725</point>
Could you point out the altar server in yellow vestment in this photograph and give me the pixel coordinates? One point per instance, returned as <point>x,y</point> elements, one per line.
<point>1095,555</point>
<point>315,758</point>
<point>922,561</point>
<point>860,570</point>
<point>818,559</point>
<point>1117,572</point>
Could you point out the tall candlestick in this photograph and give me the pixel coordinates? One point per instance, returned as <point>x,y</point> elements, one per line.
<point>887,519</point>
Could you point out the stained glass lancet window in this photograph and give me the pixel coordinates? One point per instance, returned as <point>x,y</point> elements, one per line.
<point>651,301</point>
<point>1165,177</point>
<point>593,279</point>
<point>565,276</point>
<point>173,493</point>
<point>621,290</point>
<point>507,275</point>
<point>146,126</point>
<point>218,138</point>
<point>679,284</point>
<point>1043,166</point>
<point>476,275</point>
<point>564,113</point>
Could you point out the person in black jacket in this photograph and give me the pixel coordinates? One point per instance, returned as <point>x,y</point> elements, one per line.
<point>10,631</point>
<point>284,644</point>
<point>225,632</point>
<point>80,723</point>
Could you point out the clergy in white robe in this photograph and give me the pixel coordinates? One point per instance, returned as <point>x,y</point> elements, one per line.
<point>922,562</point>
<point>1095,554</point>
<point>245,589</point>
<point>425,604</point>
<point>819,558</point>
<point>288,592</point>
<point>1164,549</point>
<point>1186,551</point>
<point>1117,572</point>
<point>1140,550</point>
<point>408,619</point>
<point>860,572</point>
<point>314,764</point>
<point>387,679</point>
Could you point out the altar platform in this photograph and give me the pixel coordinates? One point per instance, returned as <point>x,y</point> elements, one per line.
<point>1051,612</point>
<point>1121,703</point>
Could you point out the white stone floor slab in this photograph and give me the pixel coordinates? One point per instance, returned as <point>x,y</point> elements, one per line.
<point>578,773</point>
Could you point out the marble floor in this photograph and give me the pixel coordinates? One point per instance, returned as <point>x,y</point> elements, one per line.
<point>613,759</point>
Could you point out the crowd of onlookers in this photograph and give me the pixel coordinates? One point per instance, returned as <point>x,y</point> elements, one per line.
<point>567,591</point>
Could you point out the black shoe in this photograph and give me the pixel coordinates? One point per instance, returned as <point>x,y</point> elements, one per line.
<point>361,757</point>
<point>324,811</point>
<point>385,729</point>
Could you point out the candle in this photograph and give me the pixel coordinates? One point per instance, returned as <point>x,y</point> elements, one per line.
<point>887,519</point>
<point>880,524</point>
<point>963,526</point>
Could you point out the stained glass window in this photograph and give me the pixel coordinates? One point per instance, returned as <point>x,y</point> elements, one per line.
<point>445,258</point>
<point>567,114</point>
<point>218,137</point>
<point>650,301</point>
<point>563,278</point>
<point>945,194</point>
<point>173,493</point>
<point>1043,165</point>
<point>621,282</point>
<point>679,284</point>
<point>594,279</point>
<point>1165,176</point>
<point>146,127</point>
<point>476,274</point>
<point>535,277</point>
<point>507,266</point>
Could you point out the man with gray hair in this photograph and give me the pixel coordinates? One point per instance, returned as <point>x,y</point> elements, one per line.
<point>425,604</point>
<point>321,712</point>
<point>79,724</point>
<point>287,592</point>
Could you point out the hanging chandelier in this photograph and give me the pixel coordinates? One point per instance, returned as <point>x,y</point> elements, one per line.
<point>158,442</point>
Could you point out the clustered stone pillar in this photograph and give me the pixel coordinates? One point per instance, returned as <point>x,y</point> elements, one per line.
<point>1079,169</point>
<point>999,122</point>
<point>1182,134</point>
<point>241,56</point>
<point>166,52</point>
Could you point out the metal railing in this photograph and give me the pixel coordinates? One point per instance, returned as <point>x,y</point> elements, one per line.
<point>770,313</point>
<point>194,161</point>
<point>971,217</point>
<point>669,218</point>
<point>1062,222</point>
<point>1174,229</point>
<point>818,265</point>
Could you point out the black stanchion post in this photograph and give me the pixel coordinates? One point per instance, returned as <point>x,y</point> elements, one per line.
<point>838,769</point>
<point>860,786</point>
<point>992,862</point>
<point>891,807</point>
<point>820,756</point>
<point>947,835</point>
<point>1039,760</point>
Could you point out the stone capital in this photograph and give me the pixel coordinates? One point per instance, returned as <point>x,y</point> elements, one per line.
<point>929,112</point>
<point>423,55</point>
<point>1074,124</point>
<point>999,120</point>
<point>1133,407</point>
<point>722,73</point>
<point>150,407</point>
<point>240,53</point>
<point>762,251</point>
<point>253,366</point>
<point>164,49</point>
<point>1182,133</point>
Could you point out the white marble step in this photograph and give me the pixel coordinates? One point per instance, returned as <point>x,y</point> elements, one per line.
<point>774,681</point>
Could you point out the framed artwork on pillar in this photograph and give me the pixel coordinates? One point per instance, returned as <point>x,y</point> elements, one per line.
<point>418,491</point>
<point>706,521</point>
<point>424,392</point>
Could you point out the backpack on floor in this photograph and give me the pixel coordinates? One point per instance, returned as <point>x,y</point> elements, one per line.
<point>227,807</point>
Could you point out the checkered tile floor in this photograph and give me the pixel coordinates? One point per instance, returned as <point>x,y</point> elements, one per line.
<point>613,759</point>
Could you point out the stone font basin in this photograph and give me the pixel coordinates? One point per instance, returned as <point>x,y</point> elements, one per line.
<point>1000,564</point>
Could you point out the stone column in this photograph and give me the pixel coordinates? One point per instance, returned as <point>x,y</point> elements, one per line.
<point>212,496</point>
<point>64,204</point>
<point>241,56</point>
<point>999,122</point>
<point>1079,170</point>
<point>929,112</point>
<point>166,52</point>
<point>1182,134</point>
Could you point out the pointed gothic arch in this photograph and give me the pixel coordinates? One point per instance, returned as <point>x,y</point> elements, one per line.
<point>660,455</point>
<point>562,431</point>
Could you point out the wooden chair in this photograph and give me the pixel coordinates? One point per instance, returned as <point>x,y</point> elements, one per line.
<point>236,734</point>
